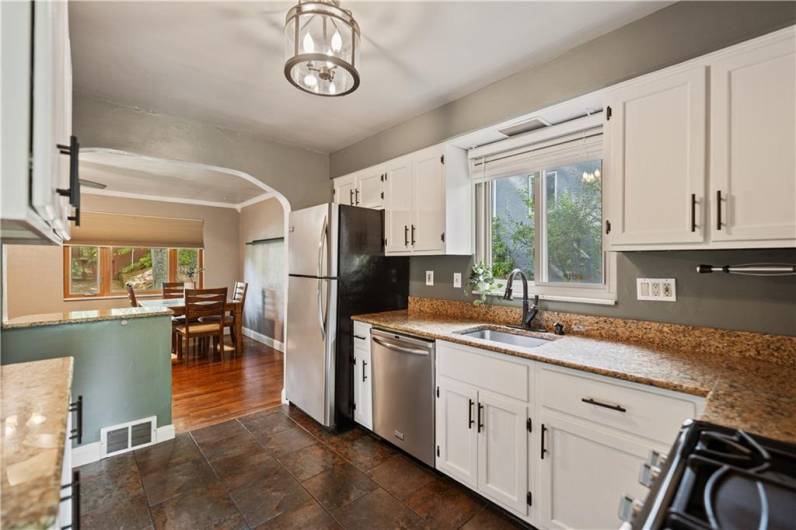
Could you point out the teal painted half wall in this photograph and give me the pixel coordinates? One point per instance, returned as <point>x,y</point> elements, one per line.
<point>122,367</point>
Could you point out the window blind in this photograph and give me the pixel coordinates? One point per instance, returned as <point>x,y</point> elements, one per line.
<point>123,230</point>
<point>571,148</point>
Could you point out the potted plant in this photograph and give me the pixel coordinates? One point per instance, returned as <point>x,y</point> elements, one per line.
<point>481,282</point>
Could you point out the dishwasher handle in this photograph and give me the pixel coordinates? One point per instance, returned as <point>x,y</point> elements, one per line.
<point>399,347</point>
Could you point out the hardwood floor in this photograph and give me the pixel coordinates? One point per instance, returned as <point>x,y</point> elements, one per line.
<point>207,392</point>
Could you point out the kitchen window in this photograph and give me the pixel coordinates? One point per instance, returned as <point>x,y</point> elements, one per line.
<point>540,209</point>
<point>105,271</point>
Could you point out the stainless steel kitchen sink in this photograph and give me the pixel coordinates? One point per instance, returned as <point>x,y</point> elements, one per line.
<point>523,339</point>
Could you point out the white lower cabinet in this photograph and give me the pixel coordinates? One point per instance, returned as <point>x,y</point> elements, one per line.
<point>457,435</point>
<point>503,450</point>
<point>555,446</point>
<point>584,470</point>
<point>363,389</point>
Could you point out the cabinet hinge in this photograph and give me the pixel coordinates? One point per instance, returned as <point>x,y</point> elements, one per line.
<point>437,450</point>
<point>442,236</point>
<point>353,360</point>
<point>437,391</point>
<point>608,113</point>
<point>354,406</point>
<point>529,425</point>
<point>442,159</point>
<point>382,195</point>
<point>529,498</point>
<point>607,226</point>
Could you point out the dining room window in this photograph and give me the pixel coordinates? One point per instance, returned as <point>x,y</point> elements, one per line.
<point>92,271</point>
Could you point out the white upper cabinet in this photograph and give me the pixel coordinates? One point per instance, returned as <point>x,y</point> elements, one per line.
<point>344,189</point>
<point>369,191</point>
<point>37,166</point>
<point>398,205</point>
<point>753,134</point>
<point>657,160</point>
<point>427,198</point>
<point>676,183</point>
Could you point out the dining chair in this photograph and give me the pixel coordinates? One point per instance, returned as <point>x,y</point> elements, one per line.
<point>202,304</point>
<point>131,295</point>
<point>173,289</point>
<point>238,295</point>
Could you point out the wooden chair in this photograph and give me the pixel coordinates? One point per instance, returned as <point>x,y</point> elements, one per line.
<point>202,304</point>
<point>238,295</point>
<point>131,295</point>
<point>173,289</point>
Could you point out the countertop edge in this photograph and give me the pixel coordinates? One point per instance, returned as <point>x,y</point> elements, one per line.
<point>50,319</point>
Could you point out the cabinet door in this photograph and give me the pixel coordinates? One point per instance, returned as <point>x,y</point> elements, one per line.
<point>344,192</point>
<point>585,471</point>
<point>753,133</point>
<point>503,450</point>
<point>657,160</point>
<point>457,436</point>
<point>370,192</point>
<point>52,110</point>
<point>428,222</point>
<point>398,205</point>
<point>363,395</point>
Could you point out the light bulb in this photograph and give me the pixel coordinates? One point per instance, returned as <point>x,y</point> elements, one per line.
<point>337,41</point>
<point>309,44</point>
<point>332,88</point>
<point>310,80</point>
<point>597,173</point>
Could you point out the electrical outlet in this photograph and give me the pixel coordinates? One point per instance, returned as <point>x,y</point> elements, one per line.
<point>429,278</point>
<point>457,280</point>
<point>656,289</point>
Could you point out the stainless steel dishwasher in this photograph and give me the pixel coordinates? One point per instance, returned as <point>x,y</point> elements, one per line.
<point>403,392</point>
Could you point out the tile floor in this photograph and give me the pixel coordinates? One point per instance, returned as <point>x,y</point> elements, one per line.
<point>276,469</point>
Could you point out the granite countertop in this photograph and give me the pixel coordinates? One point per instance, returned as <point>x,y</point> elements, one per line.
<point>91,315</point>
<point>746,393</point>
<point>34,415</point>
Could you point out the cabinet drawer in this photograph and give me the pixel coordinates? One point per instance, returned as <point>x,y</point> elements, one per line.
<point>484,370</point>
<point>636,411</point>
<point>361,336</point>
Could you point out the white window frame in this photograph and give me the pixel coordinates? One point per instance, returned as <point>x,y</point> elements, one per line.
<point>602,294</point>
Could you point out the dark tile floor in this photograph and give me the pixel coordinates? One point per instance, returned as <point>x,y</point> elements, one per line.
<point>276,469</point>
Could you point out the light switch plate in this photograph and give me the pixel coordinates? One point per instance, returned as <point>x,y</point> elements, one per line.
<point>429,278</point>
<point>656,289</point>
<point>457,280</point>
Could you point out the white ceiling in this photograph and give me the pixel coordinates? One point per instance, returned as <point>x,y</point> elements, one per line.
<point>132,175</point>
<point>221,62</point>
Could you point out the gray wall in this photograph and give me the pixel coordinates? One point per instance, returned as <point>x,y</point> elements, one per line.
<point>298,174</point>
<point>669,36</point>
<point>749,303</point>
<point>123,372</point>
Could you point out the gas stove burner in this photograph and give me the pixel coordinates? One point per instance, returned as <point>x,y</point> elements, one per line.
<point>723,479</point>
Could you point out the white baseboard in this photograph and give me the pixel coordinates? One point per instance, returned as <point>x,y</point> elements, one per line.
<point>88,453</point>
<point>268,341</point>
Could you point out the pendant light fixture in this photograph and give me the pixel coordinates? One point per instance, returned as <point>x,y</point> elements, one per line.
<point>322,48</point>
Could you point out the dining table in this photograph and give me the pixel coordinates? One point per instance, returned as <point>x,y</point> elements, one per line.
<point>177,306</point>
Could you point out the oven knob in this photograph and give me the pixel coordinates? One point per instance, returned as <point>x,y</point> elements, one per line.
<point>629,508</point>
<point>648,474</point>
<point>656,459</point>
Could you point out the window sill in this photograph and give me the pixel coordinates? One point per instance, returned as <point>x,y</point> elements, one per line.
<point>608,301</point>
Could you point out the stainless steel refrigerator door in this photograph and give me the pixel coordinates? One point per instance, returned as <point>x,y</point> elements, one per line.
<point>313,241</point>
<point>311,342</point>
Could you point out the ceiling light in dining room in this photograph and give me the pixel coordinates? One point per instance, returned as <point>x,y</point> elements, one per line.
<point>322,48</point>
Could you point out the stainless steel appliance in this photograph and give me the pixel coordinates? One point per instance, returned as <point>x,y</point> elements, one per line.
<point>337,268</point>
<point>403,392</point>
<point>717,478</point>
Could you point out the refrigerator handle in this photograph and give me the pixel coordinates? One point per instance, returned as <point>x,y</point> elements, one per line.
<point>321,312</point>
<point>321,244</point>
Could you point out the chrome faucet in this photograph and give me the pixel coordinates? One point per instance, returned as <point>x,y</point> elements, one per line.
<point>528,313</point>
